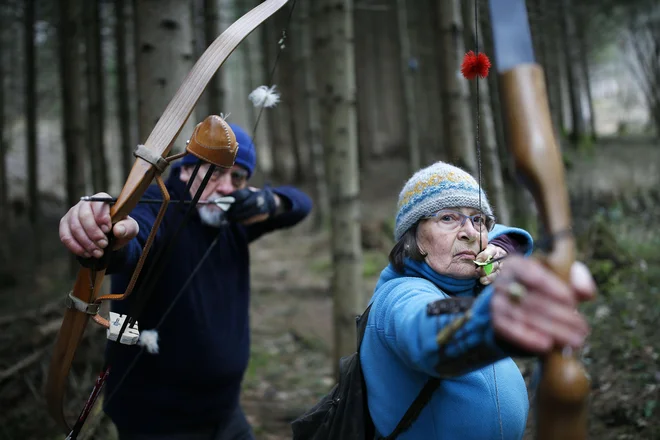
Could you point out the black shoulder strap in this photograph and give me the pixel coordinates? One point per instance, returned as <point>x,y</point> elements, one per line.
<point>362,326</point>
<point>416,408</point>
<point>420,401</point>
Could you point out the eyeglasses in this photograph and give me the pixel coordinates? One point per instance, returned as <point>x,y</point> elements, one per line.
<point>238,176</point>
<point>450,220</point>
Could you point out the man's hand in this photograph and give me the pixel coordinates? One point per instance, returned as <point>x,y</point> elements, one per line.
<point>83,228</point>
<point>535,310</point>
<point>252,205</point>
<point>493,252</point>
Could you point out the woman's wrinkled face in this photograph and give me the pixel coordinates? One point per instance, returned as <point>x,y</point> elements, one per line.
<point>451,250</point>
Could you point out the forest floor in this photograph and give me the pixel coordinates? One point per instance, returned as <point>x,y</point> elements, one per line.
<point>616,199</point>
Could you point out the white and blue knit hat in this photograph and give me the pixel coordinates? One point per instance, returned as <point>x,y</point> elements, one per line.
<point>433,188</point>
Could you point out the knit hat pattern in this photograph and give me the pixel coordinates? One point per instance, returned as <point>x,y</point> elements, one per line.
<point>245,157</point>
<point>438,186</point>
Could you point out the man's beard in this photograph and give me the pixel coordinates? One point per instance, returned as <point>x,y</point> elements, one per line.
<point>212,216</point>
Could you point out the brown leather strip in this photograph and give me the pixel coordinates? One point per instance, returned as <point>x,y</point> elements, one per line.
<point>147,246</point>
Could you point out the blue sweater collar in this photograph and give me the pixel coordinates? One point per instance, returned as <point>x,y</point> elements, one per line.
<point>452,286</point>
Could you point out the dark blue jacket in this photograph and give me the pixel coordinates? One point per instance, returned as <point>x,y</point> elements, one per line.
<point>204,342</point>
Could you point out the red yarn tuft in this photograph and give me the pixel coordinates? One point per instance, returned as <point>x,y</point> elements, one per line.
<point>474,65</point>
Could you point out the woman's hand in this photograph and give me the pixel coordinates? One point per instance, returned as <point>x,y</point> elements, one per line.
<point>493,252</point>
<point>83,228</point>
<point>535,310</point>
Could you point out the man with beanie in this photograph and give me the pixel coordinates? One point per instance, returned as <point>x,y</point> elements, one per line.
<point>190,388</point>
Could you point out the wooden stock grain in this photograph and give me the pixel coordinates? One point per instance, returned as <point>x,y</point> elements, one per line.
<point>564,388</point>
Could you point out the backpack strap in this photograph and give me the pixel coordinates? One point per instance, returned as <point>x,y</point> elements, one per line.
<point>362,326</point>
<point>416,408</point>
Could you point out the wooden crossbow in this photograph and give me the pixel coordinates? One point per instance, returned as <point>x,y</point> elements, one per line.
<point>151,161</point>
<point>564,386</point>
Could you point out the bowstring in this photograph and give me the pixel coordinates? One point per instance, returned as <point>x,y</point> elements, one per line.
<point>131,319</point>
<point>271,75</point>
<point>477,143</point>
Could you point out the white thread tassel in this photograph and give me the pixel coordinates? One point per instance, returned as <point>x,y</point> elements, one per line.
<point>149,340</point>
<point>264,96</point>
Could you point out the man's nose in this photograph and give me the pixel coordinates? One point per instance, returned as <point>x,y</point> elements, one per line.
<point>223,185</point>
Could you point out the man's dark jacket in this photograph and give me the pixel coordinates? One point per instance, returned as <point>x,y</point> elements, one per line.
<point>194,381</point>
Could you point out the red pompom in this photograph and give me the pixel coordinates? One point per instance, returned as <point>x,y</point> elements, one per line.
<point>474,65</point>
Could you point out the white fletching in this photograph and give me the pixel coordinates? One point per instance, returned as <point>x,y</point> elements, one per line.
<point>264,96</point>
<point>149,340</point>
<point>224,202</point>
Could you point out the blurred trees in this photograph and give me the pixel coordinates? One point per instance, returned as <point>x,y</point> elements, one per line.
<point>362,82</point>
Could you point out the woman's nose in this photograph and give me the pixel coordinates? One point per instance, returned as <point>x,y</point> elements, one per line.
<point>468,231</point>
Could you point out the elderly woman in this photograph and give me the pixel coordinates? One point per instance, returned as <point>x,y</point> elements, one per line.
<point>433,287</point>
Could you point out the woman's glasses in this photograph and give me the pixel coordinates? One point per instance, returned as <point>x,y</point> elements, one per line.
<point>450,220</point>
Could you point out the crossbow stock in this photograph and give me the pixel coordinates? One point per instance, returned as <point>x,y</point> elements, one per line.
<point>564,386</point>
<point>151,160</point>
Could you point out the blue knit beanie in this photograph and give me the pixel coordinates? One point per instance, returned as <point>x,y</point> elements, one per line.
<point>246,156</point>
<point>438,186</point>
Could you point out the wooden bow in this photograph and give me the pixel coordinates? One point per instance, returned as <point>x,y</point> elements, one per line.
<point>148,165</point>
<point>564,386</point>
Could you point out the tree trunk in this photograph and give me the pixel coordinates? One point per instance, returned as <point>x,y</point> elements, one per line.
<point>584,71</point>
<point>276,120</point>
<point>335,64</point>
<point>579,124</point>
<point>70,34</point>
<point>550,33</point>
<point>4,181</point>
<point>313,119</point>
<point>164,58</point>
<point>203,106</point>
<point>457,117</point>
<point>367,88</point>
<point>123,103</point>
<point>95,101</point>
<point>214,91</point>
<point>491,167</point>
<point>31,126</point>
<point>429,81</point>
<point>408,86</point>
<point>71,78</point>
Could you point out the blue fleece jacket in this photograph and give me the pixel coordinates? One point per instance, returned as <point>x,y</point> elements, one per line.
<point>399,353</point>
<point>204,343</point>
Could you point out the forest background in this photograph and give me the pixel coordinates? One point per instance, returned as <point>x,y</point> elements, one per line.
<point>83,82</point>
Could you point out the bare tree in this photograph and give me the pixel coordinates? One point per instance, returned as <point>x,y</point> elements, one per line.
<point>123,100</point>
<point>456,100</point>
<point>313,131</point>
<point>95,99</point>
<point>31,125</point>
<point>642,41</point>
<point>164,58</point>
<point>70,30</point>
<point>335,67</point>
<point>408,79</point>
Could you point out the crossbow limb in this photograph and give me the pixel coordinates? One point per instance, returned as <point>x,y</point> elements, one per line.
<point>564,386</point>
<point>84,298</point>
